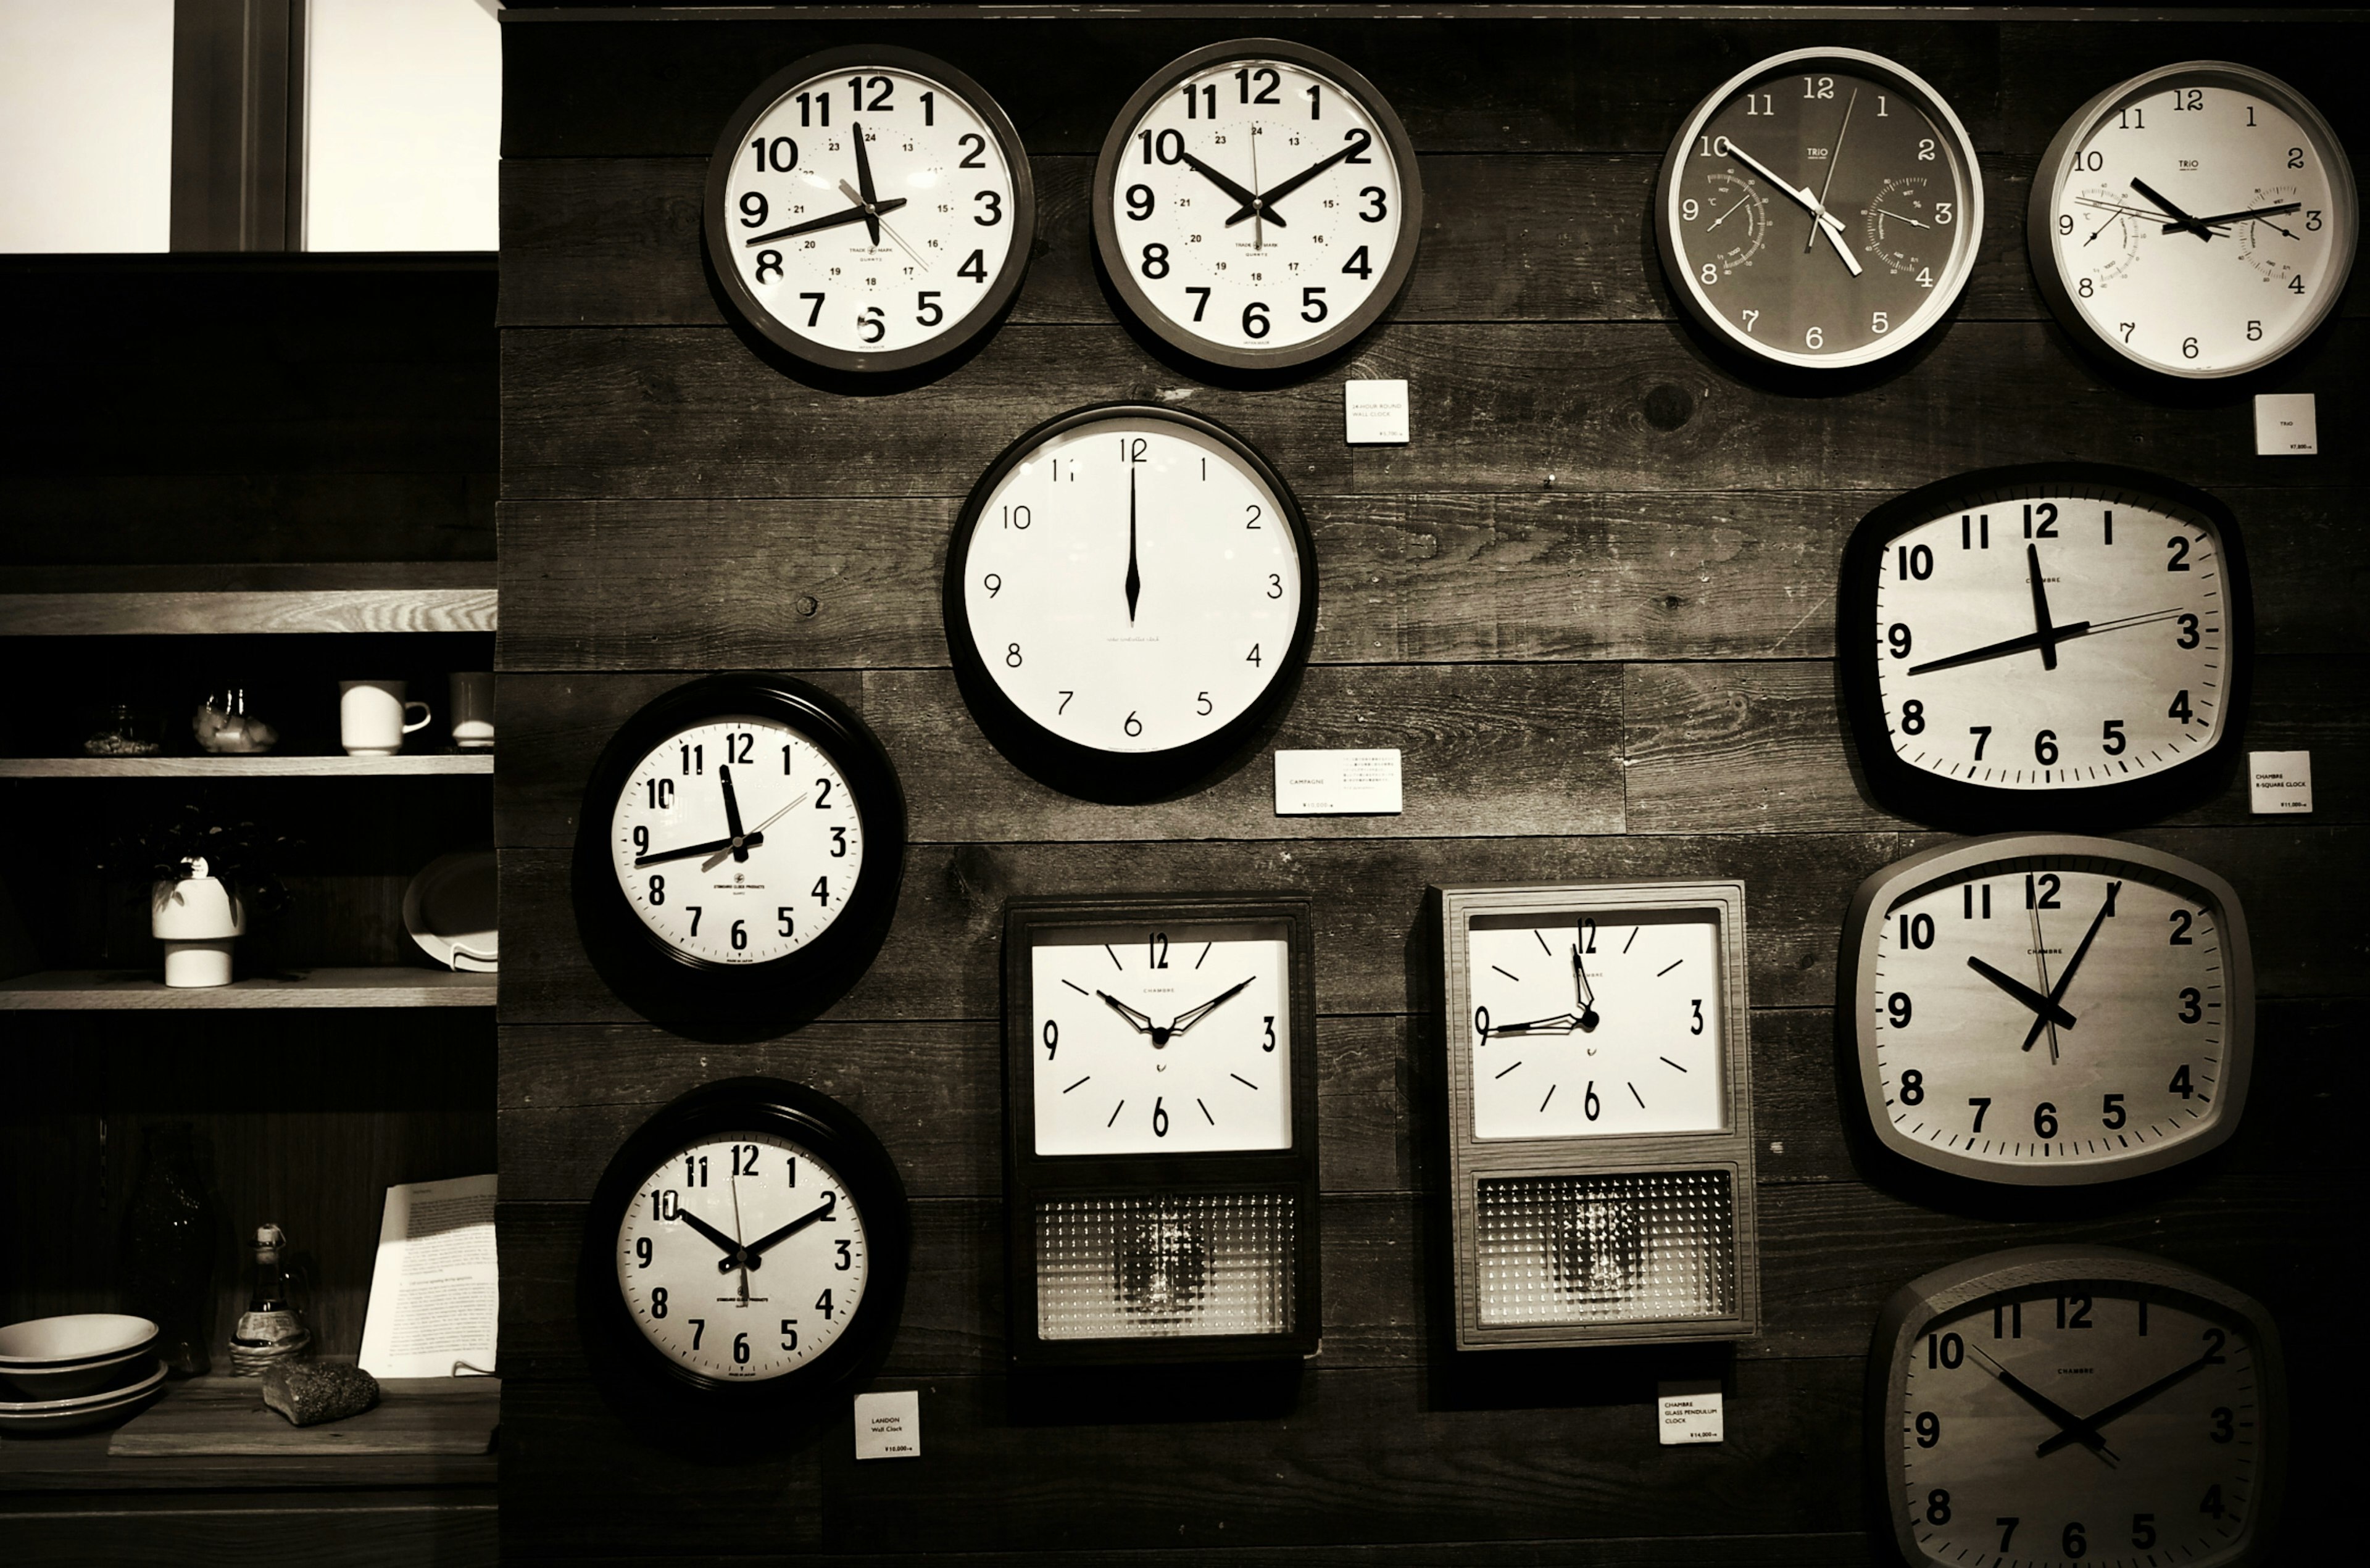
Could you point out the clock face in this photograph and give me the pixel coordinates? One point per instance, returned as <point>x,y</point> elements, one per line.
<point>2051,635</point>
<point>1131,582</point>
<point>2071,1014</point>
<point>742,1256</point>
<point>671,841</point>
<point>1258,203</point>
<point>2082,1421</point>
<point>1591,1024</point>
<point>2198,219</point>
<point>870,209</point>
<point>1162,1038</point>
<point>1821,209</point>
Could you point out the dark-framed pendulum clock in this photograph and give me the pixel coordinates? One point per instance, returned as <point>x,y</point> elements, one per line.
<point>738,852</point>
<point>746,1250</point>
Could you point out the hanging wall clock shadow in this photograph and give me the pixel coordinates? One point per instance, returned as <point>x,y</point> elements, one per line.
<point>1129,595</point>
<point>739,852</point>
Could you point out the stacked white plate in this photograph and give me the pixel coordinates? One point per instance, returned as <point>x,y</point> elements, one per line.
<point>62,1373</point>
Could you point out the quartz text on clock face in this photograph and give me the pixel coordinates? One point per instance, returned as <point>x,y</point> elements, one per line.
<point>1594,1025</point>
<point>1162,1039</point>
<point>736,840</point>
<point>742,1257</point>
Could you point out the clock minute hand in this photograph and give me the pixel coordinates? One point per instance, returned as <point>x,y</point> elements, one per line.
<point>1191,1016</point>
<point>864,193</point>
<point>2057,992</point>
<point>758,1248</point>
<point>1264,202</point>
<point>732,813</point>
<point>2126,1404</point>
<point>713,846</point>
<point>2022,992</point>
<point>829,220</point>
<point>2249,212</point>
<point>1827,222</point>
<point>1586,993</point>
<point>2025,644</point>
<point>1135,583</point>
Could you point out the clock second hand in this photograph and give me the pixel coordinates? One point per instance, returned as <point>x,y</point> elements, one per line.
<point>1584,992</point>
<point>2040,961</point>
<point>1835,157</point>
<point>737,1247</point>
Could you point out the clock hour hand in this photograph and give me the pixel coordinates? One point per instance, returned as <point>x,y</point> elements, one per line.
<point>2127,1405</point>
<point>1587,993</point>
<point>758,1248</point>
<point>1244,194</point>
<point>2071,1428</point>
<point>1191,1016</point>
<point>2221,218</point>
<point>864,193</point>
<point>2057,992</point>
<point>1134,584</point>
<point>713,846</point>
<point>2023,993</point>
<point>2042,628</point>
<point>2024,643</point>
<point>1140,1022</point>
<point>1827,221</point>
<point>830,221</point>
<point>731,1248</point>
<point>2180,219</point>
<point>1263,204</point>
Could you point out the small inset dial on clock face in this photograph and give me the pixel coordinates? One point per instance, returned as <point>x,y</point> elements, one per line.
<point>2051,1010</point>
<point>2054,637</point>
<point>2081,1422</point>
<point>736,840</point>
<point>742,1257</point>
<point>1162,1038</point>
<point>1596,1024</point>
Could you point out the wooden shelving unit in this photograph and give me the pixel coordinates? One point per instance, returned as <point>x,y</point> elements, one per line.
<point>445,764</point>
<point>152,600</point>
<point>122,990</point>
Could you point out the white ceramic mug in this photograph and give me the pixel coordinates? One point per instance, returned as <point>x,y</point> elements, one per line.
<point>473,709</point>
<point>371,717</point>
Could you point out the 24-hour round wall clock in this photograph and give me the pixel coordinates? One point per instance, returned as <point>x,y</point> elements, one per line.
<point>2055,1406</point>
<point>2198,219</point>
<point>2042,1010</point>
<point>869,209</point>
<point>1130,592</point>
<point>2037,644</point>
<point>1821,209</point>
<point>740,848</point>
<point>1257,204</point>
<point>747,1246</point>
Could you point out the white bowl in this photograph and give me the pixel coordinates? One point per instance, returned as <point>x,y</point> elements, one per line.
<point>129,1383</point>
<point>46,1345</point>
<point>70,1380</point>
<point>66,1416</point>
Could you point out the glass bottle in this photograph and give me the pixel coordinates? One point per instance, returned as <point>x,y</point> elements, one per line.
<point>170,1226</point>
<point>273,1327</point>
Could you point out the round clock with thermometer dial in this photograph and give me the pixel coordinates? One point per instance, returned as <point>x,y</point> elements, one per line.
<point>742,842</point>
<point>2198,219</point>
<point>869,210</point>
<point>2042,1010</point>
<point>1821,209</point>
<point>747,1246</point>
<point>1130,592</point>
<point>2027,643</point>
<point>2056,1406</point>
<point>1257,204</point>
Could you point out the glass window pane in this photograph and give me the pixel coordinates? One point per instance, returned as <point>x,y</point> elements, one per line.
<point>403,109</point>
<point>85,125</point>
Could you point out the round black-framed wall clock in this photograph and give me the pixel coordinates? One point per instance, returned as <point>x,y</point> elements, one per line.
<point>2198,219</point>
<point>2048,1010</point>
<point>1130,592</point>
<point>1821,209</point>
<point>747,1247</point>
<point>869,210</point>
<point>2052,644</point>
<point>1257,204</point>
<point>2055,1406</point>
<point>738,852</point>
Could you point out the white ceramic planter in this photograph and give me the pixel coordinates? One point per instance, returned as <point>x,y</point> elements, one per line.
<point>197,919</point>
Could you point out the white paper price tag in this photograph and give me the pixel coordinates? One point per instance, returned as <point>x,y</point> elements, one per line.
<point>1337,783</point>
<point>2279,782</point>
<point>1375,412</point>
<point>2285,424</point>
<point>889,1427</point>
<point>1689,1413</point>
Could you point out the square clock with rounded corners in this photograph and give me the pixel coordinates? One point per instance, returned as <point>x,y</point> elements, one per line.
<point>1600,1123</point>
<point>2045,1010</point>
<point>2051,1406</point>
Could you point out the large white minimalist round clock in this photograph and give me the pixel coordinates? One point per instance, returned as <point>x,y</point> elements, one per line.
<point>2198,219</point>
<point>1129,592</point>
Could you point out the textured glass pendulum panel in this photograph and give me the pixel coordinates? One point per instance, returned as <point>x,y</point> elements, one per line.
<point>1159,1265</point>
<point>1630,1248</point>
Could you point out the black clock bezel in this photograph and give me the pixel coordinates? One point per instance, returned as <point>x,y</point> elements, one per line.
<point>2018,1269</point>
<point>827,1130</point>
<point>660,980</point>
<point>716,220</point>
<point>1067,764</point>
<point>1351,327</point>
<point>1030,1175</point>
<point>1923,796</point>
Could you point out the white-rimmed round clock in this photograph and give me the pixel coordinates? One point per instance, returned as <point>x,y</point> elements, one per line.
<point>1130,590</point>
<point>2198,219</point>
<point>1257,204</point>
<point>869,209</point>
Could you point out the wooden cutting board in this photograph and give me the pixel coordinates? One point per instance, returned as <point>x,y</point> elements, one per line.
<point>227,1415</point>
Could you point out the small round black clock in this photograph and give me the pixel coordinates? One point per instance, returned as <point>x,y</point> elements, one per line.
<point>747,1247</point>
<point>738,851</point>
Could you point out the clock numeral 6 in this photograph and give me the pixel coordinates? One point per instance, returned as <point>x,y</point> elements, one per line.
<point>741,1350</point>
<point>1132,726</point>
<point>2045,1120</point>
<point>1255,321</point>
<point>871,325</point>
<point>1159,1120</point>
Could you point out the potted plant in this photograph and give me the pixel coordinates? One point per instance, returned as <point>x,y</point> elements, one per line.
<point>205,878</point>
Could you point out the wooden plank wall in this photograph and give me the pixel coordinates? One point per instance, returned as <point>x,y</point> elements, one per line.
<point>1592,602</point>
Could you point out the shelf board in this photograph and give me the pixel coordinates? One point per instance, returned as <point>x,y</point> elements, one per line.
<point>273,767</point>
<point>268,598</point>
<point>141,990</point>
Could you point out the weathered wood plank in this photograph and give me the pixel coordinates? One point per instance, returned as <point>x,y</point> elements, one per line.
<point>242,1529</point>
<point>1833,1549</point>
<point>612,413</point>
<point>1762,748</point>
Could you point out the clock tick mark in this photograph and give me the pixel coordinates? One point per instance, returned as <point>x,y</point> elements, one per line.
<point>1635,1095</point>
<point>1244,1081</point>
<point>1115,1111</point>
<point>1205,1114</point>
<point>1114,958</point>
<point>1506,1070</point>
<point>1077,986</point>
<point>1206,953</point>
<point>1668,968</point>
<point>1542,939</point>
<point>1668,1062</point>
<point>1516,979</point>
<point>1075,1085</point>
<point>1633,937</point>
<point>1543,1103</point>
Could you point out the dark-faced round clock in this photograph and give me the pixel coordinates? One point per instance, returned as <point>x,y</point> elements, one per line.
<point>2051,1407</point>
<point>1257,204</point>
<point>747,1246</point>
<point>738,851</point>
<point>1130,592</point>
<point>1821,209</point>
<point>869,209</point>
<point>2052,644</point>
